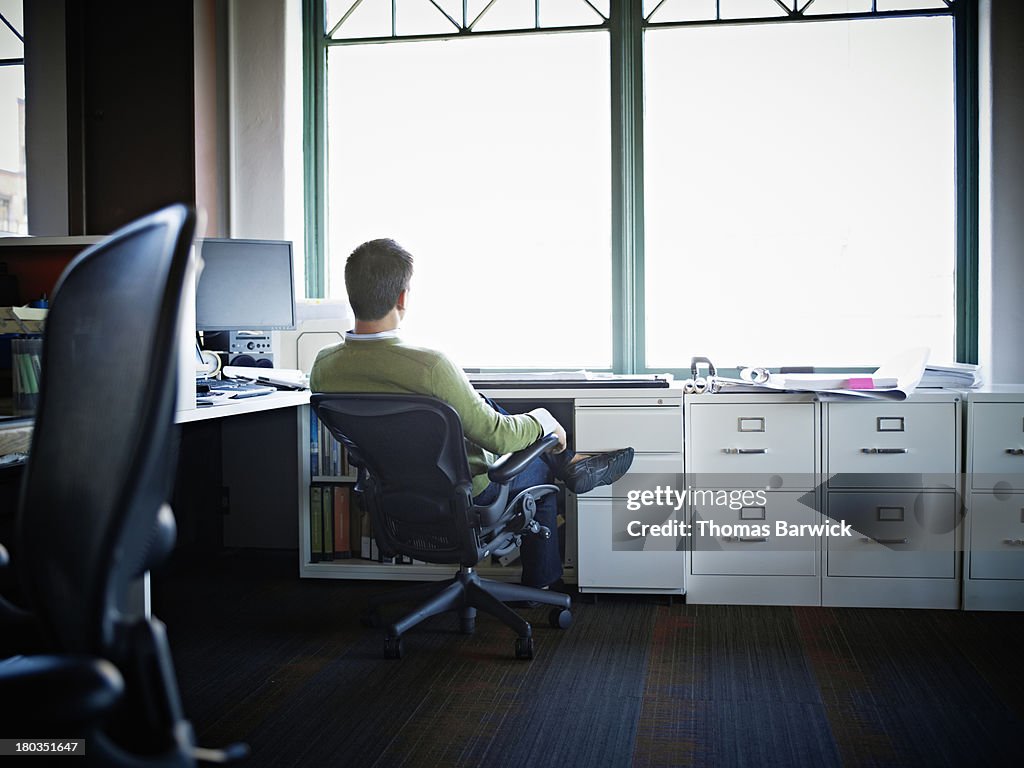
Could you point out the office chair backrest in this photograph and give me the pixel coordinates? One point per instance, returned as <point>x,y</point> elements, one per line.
<point>103,450</point>
<point>418,485</point>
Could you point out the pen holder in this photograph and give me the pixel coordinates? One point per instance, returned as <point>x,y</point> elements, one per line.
<point>26,371</point>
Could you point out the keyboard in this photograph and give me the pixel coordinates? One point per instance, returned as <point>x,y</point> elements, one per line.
<point>209,391</point>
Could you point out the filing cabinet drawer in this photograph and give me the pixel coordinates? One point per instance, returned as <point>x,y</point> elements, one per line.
<point>741,554</point>
<point>997,537</point>
<point>648,471</point>
<point>655,562</point>
<point>894,534</point>
<point>646,429</point>
<point>752,439</point>
<point>997,452</point>
<point>891,444</point>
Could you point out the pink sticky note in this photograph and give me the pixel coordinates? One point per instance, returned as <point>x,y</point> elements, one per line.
<point>861,383</point>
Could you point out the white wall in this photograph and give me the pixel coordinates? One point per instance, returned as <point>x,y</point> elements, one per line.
<point>1001,203</point>
<point>257,115</point>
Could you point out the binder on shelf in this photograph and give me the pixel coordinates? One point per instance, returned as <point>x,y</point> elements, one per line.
<point>365,535</point>
<point>342,510</point>
<point>327,520</point>
<point>316,530</point>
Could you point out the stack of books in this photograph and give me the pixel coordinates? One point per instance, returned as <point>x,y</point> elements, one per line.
<point>953,376</point>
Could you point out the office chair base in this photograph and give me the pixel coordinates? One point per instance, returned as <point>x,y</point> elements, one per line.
<point>524,648</point>
<point>467,593</point>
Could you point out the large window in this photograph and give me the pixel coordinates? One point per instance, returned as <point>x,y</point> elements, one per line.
<point>625,184</point>
<point>800,196</point>
<point>13,207</point>
<point>489,161</point>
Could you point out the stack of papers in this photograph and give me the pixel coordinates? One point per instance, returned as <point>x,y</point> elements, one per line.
<point>953,376</point>
<point>895,380</point>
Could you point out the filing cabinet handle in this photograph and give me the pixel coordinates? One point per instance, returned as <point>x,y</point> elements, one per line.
<point>744,451</point>
<point>746,539</point>
<point>883,450</point>
<point>1014,542</point>
<point>1015,451</point>
<point>887,541</point>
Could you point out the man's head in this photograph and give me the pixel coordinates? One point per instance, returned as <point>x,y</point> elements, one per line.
<point>375,274</point>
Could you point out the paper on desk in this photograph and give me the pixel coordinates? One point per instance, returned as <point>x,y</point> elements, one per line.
<point>894,380</point>
<point>291,377</point>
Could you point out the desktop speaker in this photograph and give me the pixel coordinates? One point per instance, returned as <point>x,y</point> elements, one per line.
<point>264,360</point>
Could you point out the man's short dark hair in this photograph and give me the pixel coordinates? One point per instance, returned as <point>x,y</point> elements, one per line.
<point>375,273</point>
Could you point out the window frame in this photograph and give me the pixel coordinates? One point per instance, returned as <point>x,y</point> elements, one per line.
<point>626,24</point>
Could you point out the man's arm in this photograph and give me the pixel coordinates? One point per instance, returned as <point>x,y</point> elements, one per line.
<point>484,426</point>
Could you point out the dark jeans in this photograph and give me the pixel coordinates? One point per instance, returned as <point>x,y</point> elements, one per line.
<point>541,558</point>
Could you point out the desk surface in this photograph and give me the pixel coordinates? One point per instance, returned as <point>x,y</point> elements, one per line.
<point>244,405</point>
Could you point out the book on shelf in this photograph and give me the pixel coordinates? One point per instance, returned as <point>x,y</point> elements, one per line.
<point>327,520</point>
<point>314,443</point>
<point>342,510</point>
<point>316,528</point>
<point>366,542</point>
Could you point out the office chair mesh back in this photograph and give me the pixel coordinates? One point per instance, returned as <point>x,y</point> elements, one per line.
<point>102,456</point>
<point>417,485</point>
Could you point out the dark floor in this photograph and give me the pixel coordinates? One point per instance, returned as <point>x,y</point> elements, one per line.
<point>285,665</point>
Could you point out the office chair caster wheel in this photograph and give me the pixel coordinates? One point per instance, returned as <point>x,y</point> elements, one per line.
<point>370,619</point>
<point>560,618</point>
<point>392,647</point>
<point>524,647</point>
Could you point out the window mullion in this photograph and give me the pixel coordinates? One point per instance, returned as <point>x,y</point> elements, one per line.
<point>314,107</point>
<point>627,186</point>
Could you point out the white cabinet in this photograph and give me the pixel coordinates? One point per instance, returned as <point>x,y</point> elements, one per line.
<point>609,560</point>
<point>752,463</point>
<point>892,474</point>
<point>994,549</point>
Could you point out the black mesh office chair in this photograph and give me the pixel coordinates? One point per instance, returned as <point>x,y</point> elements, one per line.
<point>416,484</point>
<point>93,516</point>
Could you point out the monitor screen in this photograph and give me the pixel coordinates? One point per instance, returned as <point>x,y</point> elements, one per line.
<point>245,285</point>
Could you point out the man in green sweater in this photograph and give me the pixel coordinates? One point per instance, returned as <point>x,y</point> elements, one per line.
<point>373,359</point>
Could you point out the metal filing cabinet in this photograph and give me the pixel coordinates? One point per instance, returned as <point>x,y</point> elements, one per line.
<point>892,472</point>
<point>994,548</point>
<point>762,444</point>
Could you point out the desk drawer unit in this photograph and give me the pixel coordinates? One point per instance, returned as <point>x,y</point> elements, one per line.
<point>606,560</point>
<point>651,564</point>
<point>648,429</point>
<point>892,445</point>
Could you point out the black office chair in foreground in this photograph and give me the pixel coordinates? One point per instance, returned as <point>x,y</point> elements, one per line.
<point>93,516</point>
<point>416,484</point>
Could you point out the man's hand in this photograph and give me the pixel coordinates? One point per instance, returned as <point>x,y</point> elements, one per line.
<point>560,434</point>
<point>549,426</point>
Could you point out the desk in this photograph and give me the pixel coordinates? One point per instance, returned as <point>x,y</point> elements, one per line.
<point>239,472</point>
<point>596,419</point>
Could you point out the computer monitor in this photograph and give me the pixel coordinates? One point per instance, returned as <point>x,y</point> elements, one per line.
<point>245,285</point>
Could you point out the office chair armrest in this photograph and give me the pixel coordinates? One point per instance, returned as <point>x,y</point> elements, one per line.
<point>5,558</point>
<point>511,464</point>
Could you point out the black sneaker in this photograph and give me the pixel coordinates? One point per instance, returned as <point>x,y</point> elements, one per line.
<point>600,469</point>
